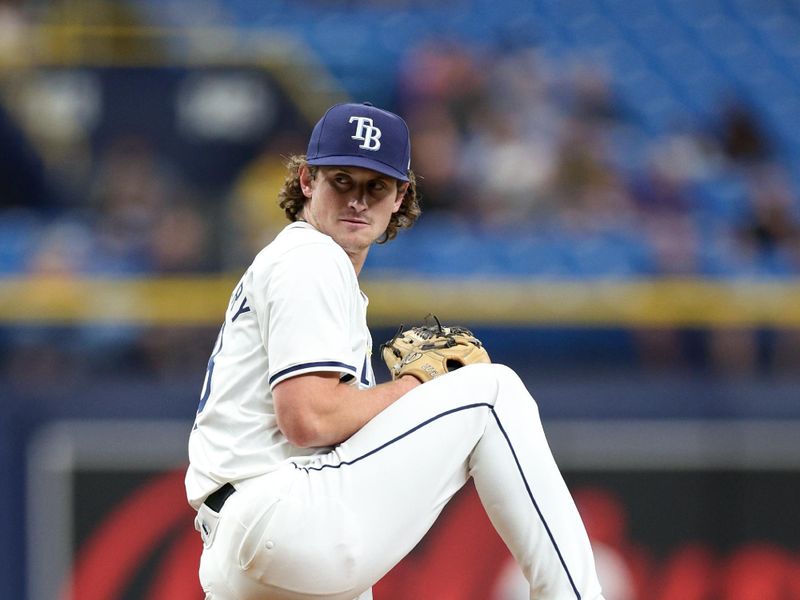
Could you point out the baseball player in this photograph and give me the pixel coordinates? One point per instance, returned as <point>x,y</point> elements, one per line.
<point>309,480</point>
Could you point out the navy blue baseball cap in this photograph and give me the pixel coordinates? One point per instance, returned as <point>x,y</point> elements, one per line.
<point>361,135</point>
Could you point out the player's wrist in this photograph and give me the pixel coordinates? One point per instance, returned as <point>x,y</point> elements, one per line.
<point>409,381</point>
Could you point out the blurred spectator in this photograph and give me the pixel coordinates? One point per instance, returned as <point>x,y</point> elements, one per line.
<point>580,161</point>
<point>441,88</point>
<point>443,72</point>
<point>663,202</point>
<point>436,146</point>
<point>594,99</point>
<point>772,224</point>
<point>134,191</point>
<point>508,171</point>
<point>741,135</point>
<point>590,196</point>
<point>180,241</point>
<point>522,83</point>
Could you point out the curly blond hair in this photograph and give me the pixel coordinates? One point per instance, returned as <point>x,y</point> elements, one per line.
<point>291,198</point>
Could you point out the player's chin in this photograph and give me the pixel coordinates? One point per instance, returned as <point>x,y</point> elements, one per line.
<point>358,234</point>
<point>354,242</point>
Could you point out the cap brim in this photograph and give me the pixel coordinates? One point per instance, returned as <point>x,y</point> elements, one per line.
<point>358,161</point>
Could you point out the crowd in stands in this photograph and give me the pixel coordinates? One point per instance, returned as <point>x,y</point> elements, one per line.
<point>540,164</point>
<point>528,168</point>
<point>553,156</point>
<point>541,169</point>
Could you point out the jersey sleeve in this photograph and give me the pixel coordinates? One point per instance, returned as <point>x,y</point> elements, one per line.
<point>308,296</point>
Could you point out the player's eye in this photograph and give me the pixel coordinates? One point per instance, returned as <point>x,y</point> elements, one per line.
<point>341,180</point>
<point>378,185</point>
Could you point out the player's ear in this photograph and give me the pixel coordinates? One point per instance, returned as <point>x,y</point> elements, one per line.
<point>401,195</point>
<point>306,180</point>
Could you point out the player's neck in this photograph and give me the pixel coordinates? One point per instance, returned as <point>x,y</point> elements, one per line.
<point>357,258</point>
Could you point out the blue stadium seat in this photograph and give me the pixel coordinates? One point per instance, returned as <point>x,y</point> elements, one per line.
<point>723,198</point>
<point>19,231</point>
<point>694,13</point>
<point>671,62</point>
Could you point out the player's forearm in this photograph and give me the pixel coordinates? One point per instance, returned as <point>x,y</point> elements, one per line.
<point>352,408</point>
<point>313,411</point>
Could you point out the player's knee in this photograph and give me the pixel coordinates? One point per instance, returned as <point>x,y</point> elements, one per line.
<point>497,371</point>
<point>487,370</point>
<point>505,372</point>
<point>498,375</point>
<point>510,386</point>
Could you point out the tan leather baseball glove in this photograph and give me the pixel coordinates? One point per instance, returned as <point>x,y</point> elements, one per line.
<point>428,351</point>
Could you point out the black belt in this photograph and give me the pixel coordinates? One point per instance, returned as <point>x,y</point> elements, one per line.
<point>217,500</point>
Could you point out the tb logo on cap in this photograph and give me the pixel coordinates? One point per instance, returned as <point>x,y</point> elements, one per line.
<point>367,133</point>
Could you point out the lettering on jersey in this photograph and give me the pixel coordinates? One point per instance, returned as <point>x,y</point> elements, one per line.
<point>243,308</point>
<point>236,294</point>
<point>206,391</point>
<point>367,133</point>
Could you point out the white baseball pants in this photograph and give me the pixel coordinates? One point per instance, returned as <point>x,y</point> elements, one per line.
<point>331,528</point>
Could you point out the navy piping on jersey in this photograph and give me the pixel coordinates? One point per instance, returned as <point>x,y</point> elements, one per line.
<point>536,505</point>
<point>364,378</point>
<point>311,365</point>
<point>513,453</point>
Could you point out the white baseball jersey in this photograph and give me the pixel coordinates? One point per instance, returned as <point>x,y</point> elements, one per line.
<point>327,523</point>
<point>297,309</point>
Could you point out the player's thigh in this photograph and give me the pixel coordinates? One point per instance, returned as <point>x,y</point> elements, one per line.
<point>399,471</point>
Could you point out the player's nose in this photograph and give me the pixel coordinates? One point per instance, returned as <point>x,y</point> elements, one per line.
<point>358,199</point>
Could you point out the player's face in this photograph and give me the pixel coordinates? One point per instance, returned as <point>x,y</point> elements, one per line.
<point>351,204</point>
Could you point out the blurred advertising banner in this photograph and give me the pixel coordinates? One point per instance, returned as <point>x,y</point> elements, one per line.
<point>209,120</point>
<point>677,510</point>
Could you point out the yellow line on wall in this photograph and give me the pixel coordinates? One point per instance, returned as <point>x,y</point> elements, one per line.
<point>640,303</point>
<point>635,303</point>
<point>58,301</point>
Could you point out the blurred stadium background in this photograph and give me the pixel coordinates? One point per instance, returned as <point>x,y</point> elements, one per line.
<point>611,200</point>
